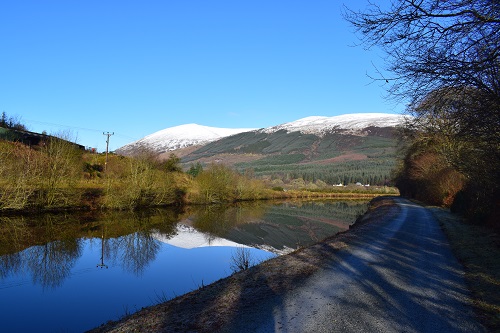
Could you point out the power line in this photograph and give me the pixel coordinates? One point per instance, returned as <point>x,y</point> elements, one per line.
<point>60,125</point>
<point>78,128</point>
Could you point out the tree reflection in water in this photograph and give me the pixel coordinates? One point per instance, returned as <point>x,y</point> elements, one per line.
<point>218,220</point>
<point>51,263</point>
<point>283,225</point>
<point>10,264</point>
<point>12,233</point>
<point>137,250</point>
<point>134,251</point>
<point>48,264</point>
<point>48,246</point>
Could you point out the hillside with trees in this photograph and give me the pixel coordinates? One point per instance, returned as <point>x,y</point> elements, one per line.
<point>284,158</point>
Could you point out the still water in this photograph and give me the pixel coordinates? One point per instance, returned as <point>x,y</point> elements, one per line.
<point>72,272</point>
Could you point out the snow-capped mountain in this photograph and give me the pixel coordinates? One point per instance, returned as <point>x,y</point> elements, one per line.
<point>347,123</point>
<point>182,136</point>
<point>192,134</point>
<point>189,238</point>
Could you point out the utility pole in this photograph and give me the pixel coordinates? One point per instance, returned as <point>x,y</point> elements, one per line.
<point>107,147</point>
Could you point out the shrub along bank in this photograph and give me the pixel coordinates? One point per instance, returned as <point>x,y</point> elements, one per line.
<point>56,175</point>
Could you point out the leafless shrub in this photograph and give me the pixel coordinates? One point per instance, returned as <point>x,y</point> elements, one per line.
<point>241,259</point>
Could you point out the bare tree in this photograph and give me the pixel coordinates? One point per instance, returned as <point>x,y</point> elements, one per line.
<point>433,48</point>
<point>443,60</point>
<point>434,44</point>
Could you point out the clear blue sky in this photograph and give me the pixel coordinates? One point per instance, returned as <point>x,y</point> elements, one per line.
<point>136,67</point>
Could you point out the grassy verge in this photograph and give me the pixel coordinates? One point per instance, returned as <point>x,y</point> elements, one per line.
<point>478,249</point>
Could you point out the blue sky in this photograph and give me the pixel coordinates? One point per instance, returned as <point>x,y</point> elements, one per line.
<point>136,67</point>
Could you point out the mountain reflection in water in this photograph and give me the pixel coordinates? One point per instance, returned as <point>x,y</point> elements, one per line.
<point>75,271</point>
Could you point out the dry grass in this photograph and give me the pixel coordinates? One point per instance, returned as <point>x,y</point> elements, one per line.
<point>478,249</point>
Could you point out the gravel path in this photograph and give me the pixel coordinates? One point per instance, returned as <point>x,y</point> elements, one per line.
<point>399,277</point>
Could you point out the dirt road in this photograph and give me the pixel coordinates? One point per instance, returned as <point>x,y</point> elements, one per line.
<point>399,277</point>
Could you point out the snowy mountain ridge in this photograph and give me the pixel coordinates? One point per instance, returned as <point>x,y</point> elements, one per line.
<point>183,136</point>
<point>347,123</point>
<point>187,237</point>
<point>178,137</point>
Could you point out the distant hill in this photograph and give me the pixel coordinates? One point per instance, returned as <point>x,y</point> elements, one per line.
<point>342,149</point>
<point>178,137</point>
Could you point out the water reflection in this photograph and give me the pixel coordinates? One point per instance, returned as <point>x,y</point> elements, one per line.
<point>137,251</point>
<point>218,220</point>
<point>50,264</point>
<point>64,260</point>
<point>102,264</point>
<point>10,264</point>
<point>47,247</point>
<point>279,227</point>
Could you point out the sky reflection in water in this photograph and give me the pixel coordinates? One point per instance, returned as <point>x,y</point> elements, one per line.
<point>64,285</point>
